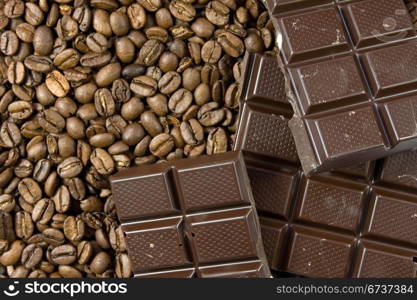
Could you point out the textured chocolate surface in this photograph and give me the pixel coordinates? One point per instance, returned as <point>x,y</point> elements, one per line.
<point>355,222</point>
<point>191,218</point>
<point>351,69</point>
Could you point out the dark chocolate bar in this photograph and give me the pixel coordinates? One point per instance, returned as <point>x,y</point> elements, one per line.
<point>191,218</point>
<point>359,221</point>
<point>351,70</point>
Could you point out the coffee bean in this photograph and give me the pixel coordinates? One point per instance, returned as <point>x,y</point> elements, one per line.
<point>97,42</point>
<point>144,86</point>
<point>42,169</point>
<point>20,110</point>
<point>203,28</point>
<point>14,8</point>
<point>161,144</point>
<point>16,72</point>
<point>43,40</point>
<point>137,15</point>
<point>52,121</point>
<point>210,114</point>
<point>9,42</point>
<point>150,5</point>
<point>69,272</point>
<point>64,254</point>
<point>66,107</point>
<point>95,60</point>
<point>7,203</point>
<point>57,84</point>
<point>104,102</point>
<point>101,261</point>
<point>37,63</point>
<point>67,59</point>
<point>43,211</point>
<point>107,74</point>
<point>254,43</point>
<point>211,52</point>
<point>158,104</point>
<point>33,14</point>
<point>10,135</point>
<point>102,161</point>
<point>217,141</point>
<point>70,167</point>
<point>23,225</point>
<point>191,78</point>
<point>169,82</point>
<point>123,266</point>
<point>180,101</point>
<point>182,11</point>
<point>31,256</point>
<point>30,190</point>
<point>192,132</point>
<point>76,188</point>
<point>62,199</point>
<point>120,90</point>
<point>217,13</point>
<point>84,252</point>
<point>231,44</point>
<point>150,52</point>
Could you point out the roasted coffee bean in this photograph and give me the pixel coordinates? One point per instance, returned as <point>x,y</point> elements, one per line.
<point>150,52</point>
<point>20,110</point>
<point>84,252</point>
<point>158,104</point>
<point>9,42</point>
<point>64,254</point>
<point>42,169</point>
<point>100,262</point>
<point>144,86</point>
<point>137,15</point>
<point>203,28</point>
<point>10,135</point>
<point>217,141</point>
<point>161,144</point>
<point>191,78</point>
<point>52,121</point>
<point>211,52</point>
<point>66,107</point>
<point>70,167</point>
<point>104,102</point>
<point>180,101</point>
<point>67,59</point>
<point>76,188</point>
<point>192,132</point>
<point>43,211</point>
<point>16,72</point>
<point>231,44</point>
<point>43,40</point>
<point>23,225</point>
<point>210,114</point>
<point>151,123</point>
<point>120,90</point>
<point>182,11</point>
<point>95,60</point>
<point>7,203</point>
<point>169,82</point>
<point>53,237</point>
<point>62,199</point>
<point>57,84</point>
<point>102,161</point>
<point>97,42</point>
<point>217,13</point>
<point>30,190</point>
<point>132,70</point>
<point>37,63</point>
<point>68,272</point>
<point>123,267</point>
<point>31,256</point>
<point>107,74</point>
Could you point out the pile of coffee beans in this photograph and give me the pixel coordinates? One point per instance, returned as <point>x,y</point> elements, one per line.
<point>89,87</point>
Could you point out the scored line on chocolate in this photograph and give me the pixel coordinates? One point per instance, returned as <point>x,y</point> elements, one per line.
<point>207,224</point>
<point>355,222</point>
<point>352,70</point>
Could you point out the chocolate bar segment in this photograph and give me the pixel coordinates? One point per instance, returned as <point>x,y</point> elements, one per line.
<point>191,218</point>
<point>357,221</point>
<point>350,69</point>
